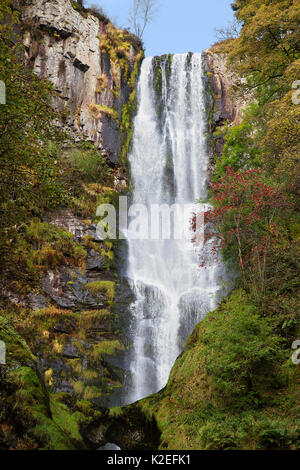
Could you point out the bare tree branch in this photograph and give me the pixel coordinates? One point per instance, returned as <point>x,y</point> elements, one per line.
<point>142,13</point>
<point>231,31</point>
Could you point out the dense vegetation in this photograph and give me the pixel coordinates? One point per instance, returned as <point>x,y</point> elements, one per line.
<point>235,386</point>
<point>256,182</point>
<point>30,178</point>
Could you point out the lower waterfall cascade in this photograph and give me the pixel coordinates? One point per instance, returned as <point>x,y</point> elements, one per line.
<point>168,165</point>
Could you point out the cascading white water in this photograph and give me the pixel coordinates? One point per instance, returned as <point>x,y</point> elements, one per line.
<point>168,165</point>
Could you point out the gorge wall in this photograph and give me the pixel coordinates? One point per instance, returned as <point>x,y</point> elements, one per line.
<point>224,100</point>
<point>92,65</point>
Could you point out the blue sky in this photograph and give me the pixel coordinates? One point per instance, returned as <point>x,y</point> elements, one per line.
<point>180,26</point>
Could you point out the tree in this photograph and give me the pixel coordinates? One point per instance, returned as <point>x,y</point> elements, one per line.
<point>244,217</point>
<point>269,39</point>
<point>142,13</point>
<point>232,30</point>
<point>30,174</point>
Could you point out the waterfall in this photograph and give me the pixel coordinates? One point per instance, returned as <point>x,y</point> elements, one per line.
<point>168,164</point>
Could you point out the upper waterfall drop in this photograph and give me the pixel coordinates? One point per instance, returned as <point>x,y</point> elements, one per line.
<point>168,165</point>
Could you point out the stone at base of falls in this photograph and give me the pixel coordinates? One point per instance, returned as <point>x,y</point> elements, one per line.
<point>126,427</point>
<point>109,446</point>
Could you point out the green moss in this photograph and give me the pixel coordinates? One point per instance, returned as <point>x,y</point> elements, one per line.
<point>102,287</point>
<point>41,327</point>
<point>109,348</point>
<point>76,6</point>
<point>92,393</point>
<point>105,249</point>
<point>44,246</point>
<point>117,44</point>
<point>86,164</point>
<point>97,110</point>
<point>16,347</point>
<point>129,110</point>
<point>84,406</point>
<point>35,418</point>
<point>90,375</point>
<point>89,318</point>
<point>78,386</point>
<point>115,412</point>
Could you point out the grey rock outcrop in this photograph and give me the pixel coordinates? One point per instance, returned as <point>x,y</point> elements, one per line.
<point>224,83</point>
<point>225,100</point>
<point>62,45</point>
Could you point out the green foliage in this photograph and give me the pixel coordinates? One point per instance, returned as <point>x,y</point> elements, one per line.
<point>31,418</point>
<point>245,355</point>
<point>109,347</point>
<point>117,43</point>
<point>129,110</point>
<point>85,163</point>
<point>239,151</point>
<point>30,176</point>
<point>126,128</point>
<point>16,346</point>
<point>87,177</point>
<point>267,54</point>
<point>115,412</point>
<point>246,218</point>
<point>97,110</point>
<point>268,41</point>
<point>41,246</point>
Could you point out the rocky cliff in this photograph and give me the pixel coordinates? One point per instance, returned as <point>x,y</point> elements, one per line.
<point>228,106</point>
<point>224,98</point>
<point>91,63</point>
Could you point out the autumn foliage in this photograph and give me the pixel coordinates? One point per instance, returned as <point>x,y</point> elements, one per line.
<point>244,218</point>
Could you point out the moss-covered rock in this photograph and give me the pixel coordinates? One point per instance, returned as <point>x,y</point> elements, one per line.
<point>73,348</point>
<point>30,417</point>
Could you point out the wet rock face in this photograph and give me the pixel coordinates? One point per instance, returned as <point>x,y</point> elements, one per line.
<point>228,106</point>
<point>72,325</point>
<point>67,288</point>
<point>66,354</point>
<point>132,430</point>
<point>66,219</point>
<point>63,45</point>
<point>73,328</point>
<point>224,100</point>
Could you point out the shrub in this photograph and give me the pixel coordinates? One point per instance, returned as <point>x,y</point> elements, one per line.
<point>86,164</point>
<point>242,354</point>
<point>97,110</point>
